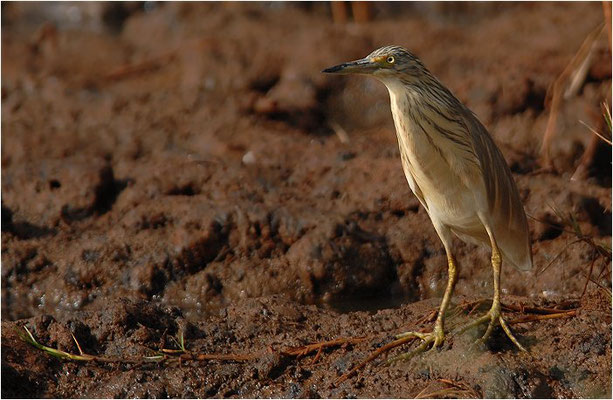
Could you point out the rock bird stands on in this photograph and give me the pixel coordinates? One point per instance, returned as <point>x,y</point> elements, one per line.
<point>455,170</point>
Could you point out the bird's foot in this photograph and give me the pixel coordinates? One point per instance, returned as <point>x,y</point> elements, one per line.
<point>430,340</point>
<point>493,317</point>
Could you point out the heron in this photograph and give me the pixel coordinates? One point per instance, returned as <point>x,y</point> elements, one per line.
<point>457,173</point>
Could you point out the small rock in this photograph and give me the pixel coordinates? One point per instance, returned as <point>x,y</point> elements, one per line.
<point>249,158</point>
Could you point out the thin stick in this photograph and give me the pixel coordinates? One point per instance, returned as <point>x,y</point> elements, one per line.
<point>589,274</point>
<point>536,310</point>
<point>304,350</point>
<point>532,318</point>
<point>372,356</point>
<point>139,67</point>
<point>604,266</point>
<point>219,357</point>
<point>428,317</point>
<point>599,285</point>
<point>317,356</point>
<point>476,306</point>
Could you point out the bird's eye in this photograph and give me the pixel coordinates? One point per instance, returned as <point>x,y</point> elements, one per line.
<point>390,59</point>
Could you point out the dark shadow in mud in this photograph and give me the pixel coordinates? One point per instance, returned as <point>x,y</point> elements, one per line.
<point>16,385</point>
<point>107,192</point>
<point>23,230</point>
<point>359,265</point>
<point>312,120</point>
<point>601,166</point>
<point>186,190</point>
<point>526,164</point>
<point>598,215</point>
<point>369,304</point>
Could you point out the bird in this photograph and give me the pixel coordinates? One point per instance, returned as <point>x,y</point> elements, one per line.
<point>457,173</point>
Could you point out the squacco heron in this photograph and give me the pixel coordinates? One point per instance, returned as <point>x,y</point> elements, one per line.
<point>455,170</point>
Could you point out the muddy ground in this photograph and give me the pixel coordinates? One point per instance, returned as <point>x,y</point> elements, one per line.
<point>185,169</point>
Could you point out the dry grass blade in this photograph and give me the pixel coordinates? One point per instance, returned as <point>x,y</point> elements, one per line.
<point>587,159</point>
<point>457,390</point>
<point>601,250</point>
<point>63,355</point>
<point>550,263</point>
<point>77,343</point>
<point>595,132</point>
<point>447,393</point>
<point>589,275</point>
<point>606,289</point>
<point>180,342</point>
<point>430,317</point>
<point>473,305</point>
<point>164,354</point>
<point>29,338</point>
<point>340,132</point>
<point>467,308</point>
<point>182,354</point>
<point>574,72</point>
<point>606,9</point>
<point>606,112</point>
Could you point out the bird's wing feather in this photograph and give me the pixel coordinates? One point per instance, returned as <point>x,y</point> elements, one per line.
<point>508,218</point>
<point>470,151</point>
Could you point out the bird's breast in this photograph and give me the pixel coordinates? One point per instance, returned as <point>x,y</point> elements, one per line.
<point>430,171</point>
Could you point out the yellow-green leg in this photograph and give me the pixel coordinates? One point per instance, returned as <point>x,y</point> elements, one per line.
<point>494,316</point>
<point>437,336</point>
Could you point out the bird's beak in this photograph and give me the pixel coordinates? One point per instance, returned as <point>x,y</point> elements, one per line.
<point>362,66</point>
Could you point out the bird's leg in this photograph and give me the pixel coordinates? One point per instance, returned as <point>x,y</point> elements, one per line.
<point>437,336</point>
<point>494,316</point>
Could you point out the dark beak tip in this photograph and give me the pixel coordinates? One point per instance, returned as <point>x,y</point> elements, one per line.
<point>352,67</point>
<point>330,70</point>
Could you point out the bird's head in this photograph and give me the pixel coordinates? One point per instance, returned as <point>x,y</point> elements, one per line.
<point>383,63</point>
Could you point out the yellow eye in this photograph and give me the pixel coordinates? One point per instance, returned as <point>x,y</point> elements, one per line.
<point>390,59</point>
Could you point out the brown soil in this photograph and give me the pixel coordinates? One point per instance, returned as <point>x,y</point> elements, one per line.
<point>174,169</point>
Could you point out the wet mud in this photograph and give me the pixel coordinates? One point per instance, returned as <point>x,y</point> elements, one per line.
<point>185,170</point>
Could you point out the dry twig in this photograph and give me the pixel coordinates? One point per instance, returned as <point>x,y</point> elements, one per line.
<point>304,350</point>
<point>573,75</point>
<point>532,318</point>
<point>533,310</point>
<point>372,356</point>
<point>130,69</point>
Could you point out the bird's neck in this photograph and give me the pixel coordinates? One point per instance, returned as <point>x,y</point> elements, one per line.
<point>405,101</point>
<point>406,104</point>
<point>416,107</point>
<point>412,97</point>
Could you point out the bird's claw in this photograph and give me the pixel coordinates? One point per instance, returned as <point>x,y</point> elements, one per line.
<point>493,317</point>
<point>431,340</point>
